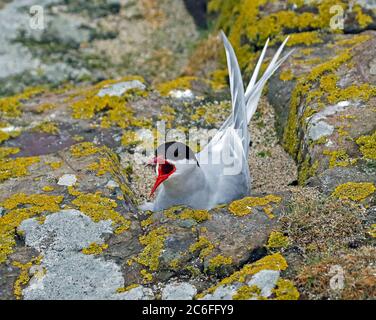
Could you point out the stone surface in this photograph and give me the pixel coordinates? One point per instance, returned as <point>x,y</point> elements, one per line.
<point>84,131</point>
<point>60,240</point>
<point>178,291</point>
<point>120,88</point>
<point>320,134</point>
<point>265,280</point>
<point>67,180</point>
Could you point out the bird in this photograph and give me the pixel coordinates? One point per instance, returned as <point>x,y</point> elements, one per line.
<point>219,173</point>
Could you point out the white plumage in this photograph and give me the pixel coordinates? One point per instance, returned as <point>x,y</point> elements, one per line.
<point>221,174</point>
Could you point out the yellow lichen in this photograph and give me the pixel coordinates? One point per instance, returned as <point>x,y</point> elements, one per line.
<point>198,215</point>
<point>128,288</point>
<point>218,261</point>
<point>277,240</point>
<point>102,167</point>
<point>203,245</point>
<point>99,208</point>
<point>115,110</point>
<point>24,277</point>
<point>182,83</point>
<point>4,136</point>
<point>45,107</point>
<point>154,244</point>
<point>129,138</point>
<point>372,231</point>
<point>244,206</point>
<point>286,75</point>
<point>147,277</point>
<point>285,290</point>
<point>271,262</point>
<point>363,19</point>
<point>339,158</point>
<point>84,149</point>
<point>5,151</point>
<point>306,38</point>
<point>17,167</point>
<point>54,164</point>
<point>48,188</point>
<point>47,127</point>
<point>20,207</point>
<point>355,191</point>
<point>95,248</point>
<point>247,292</point>
<point>12,106</point>
<point>367,146</point>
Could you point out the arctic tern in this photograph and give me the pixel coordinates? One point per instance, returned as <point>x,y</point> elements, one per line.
<point>219,173</point>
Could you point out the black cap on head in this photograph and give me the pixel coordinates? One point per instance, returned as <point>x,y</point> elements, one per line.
<point>175,151</point>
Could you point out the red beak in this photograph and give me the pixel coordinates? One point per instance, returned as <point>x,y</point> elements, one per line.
<point>165,169</point>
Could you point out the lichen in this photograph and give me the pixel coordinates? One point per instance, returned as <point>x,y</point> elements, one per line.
<point>45,107</point>
<point>286,75</point>
<point>54,164</point>
<point>114,110</point>
<point>101,167</point>
<point>47,127</point>
<point>12,106</point>
<point>203,245</point>
<point>218,261</point>
<point>372,231</point>
<point>197,215</point>
<point>244,206</point>
<point>154,244</point>
<point>95,248</point>
<point>48,188</point>
<point>285,290</point>
<point>306,38</point>
<point>247,292</point>
<point>6,151</point>
<point>367,145</point>
<point>17,167</point>
<point>182,83</point>
<point>355,191</point>
<point>20,207</point>
<point>99,208</point>
<point>24,277</point>
<point>128,288</point>
<point>129,138</point>
<point>363,19</point>
<point>277,240</point>
<point>307,170</point>
<point>84,149</point>
<point>339,158</point>
<point>147,276</point>
<point>271,262</point>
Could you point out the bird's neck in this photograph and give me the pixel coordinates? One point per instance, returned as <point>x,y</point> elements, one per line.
<point>186,185</point>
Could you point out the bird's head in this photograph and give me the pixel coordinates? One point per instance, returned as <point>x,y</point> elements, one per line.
<point>173,161</point>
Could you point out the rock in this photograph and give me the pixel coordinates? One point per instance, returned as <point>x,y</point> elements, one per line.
<point>223,292</point>
<point>67,180</point>
<point>138,293</point>
<point>181,94</point>
<point>319,130</point>
<point>265,280</point>
<point>178,291</point>
<point>120,88</point>
<point>112,184</point>
<point>70,274</point>
<point>323,125</point>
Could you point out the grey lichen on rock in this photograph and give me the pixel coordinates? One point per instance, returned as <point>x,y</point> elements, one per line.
<point>70,274</point>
